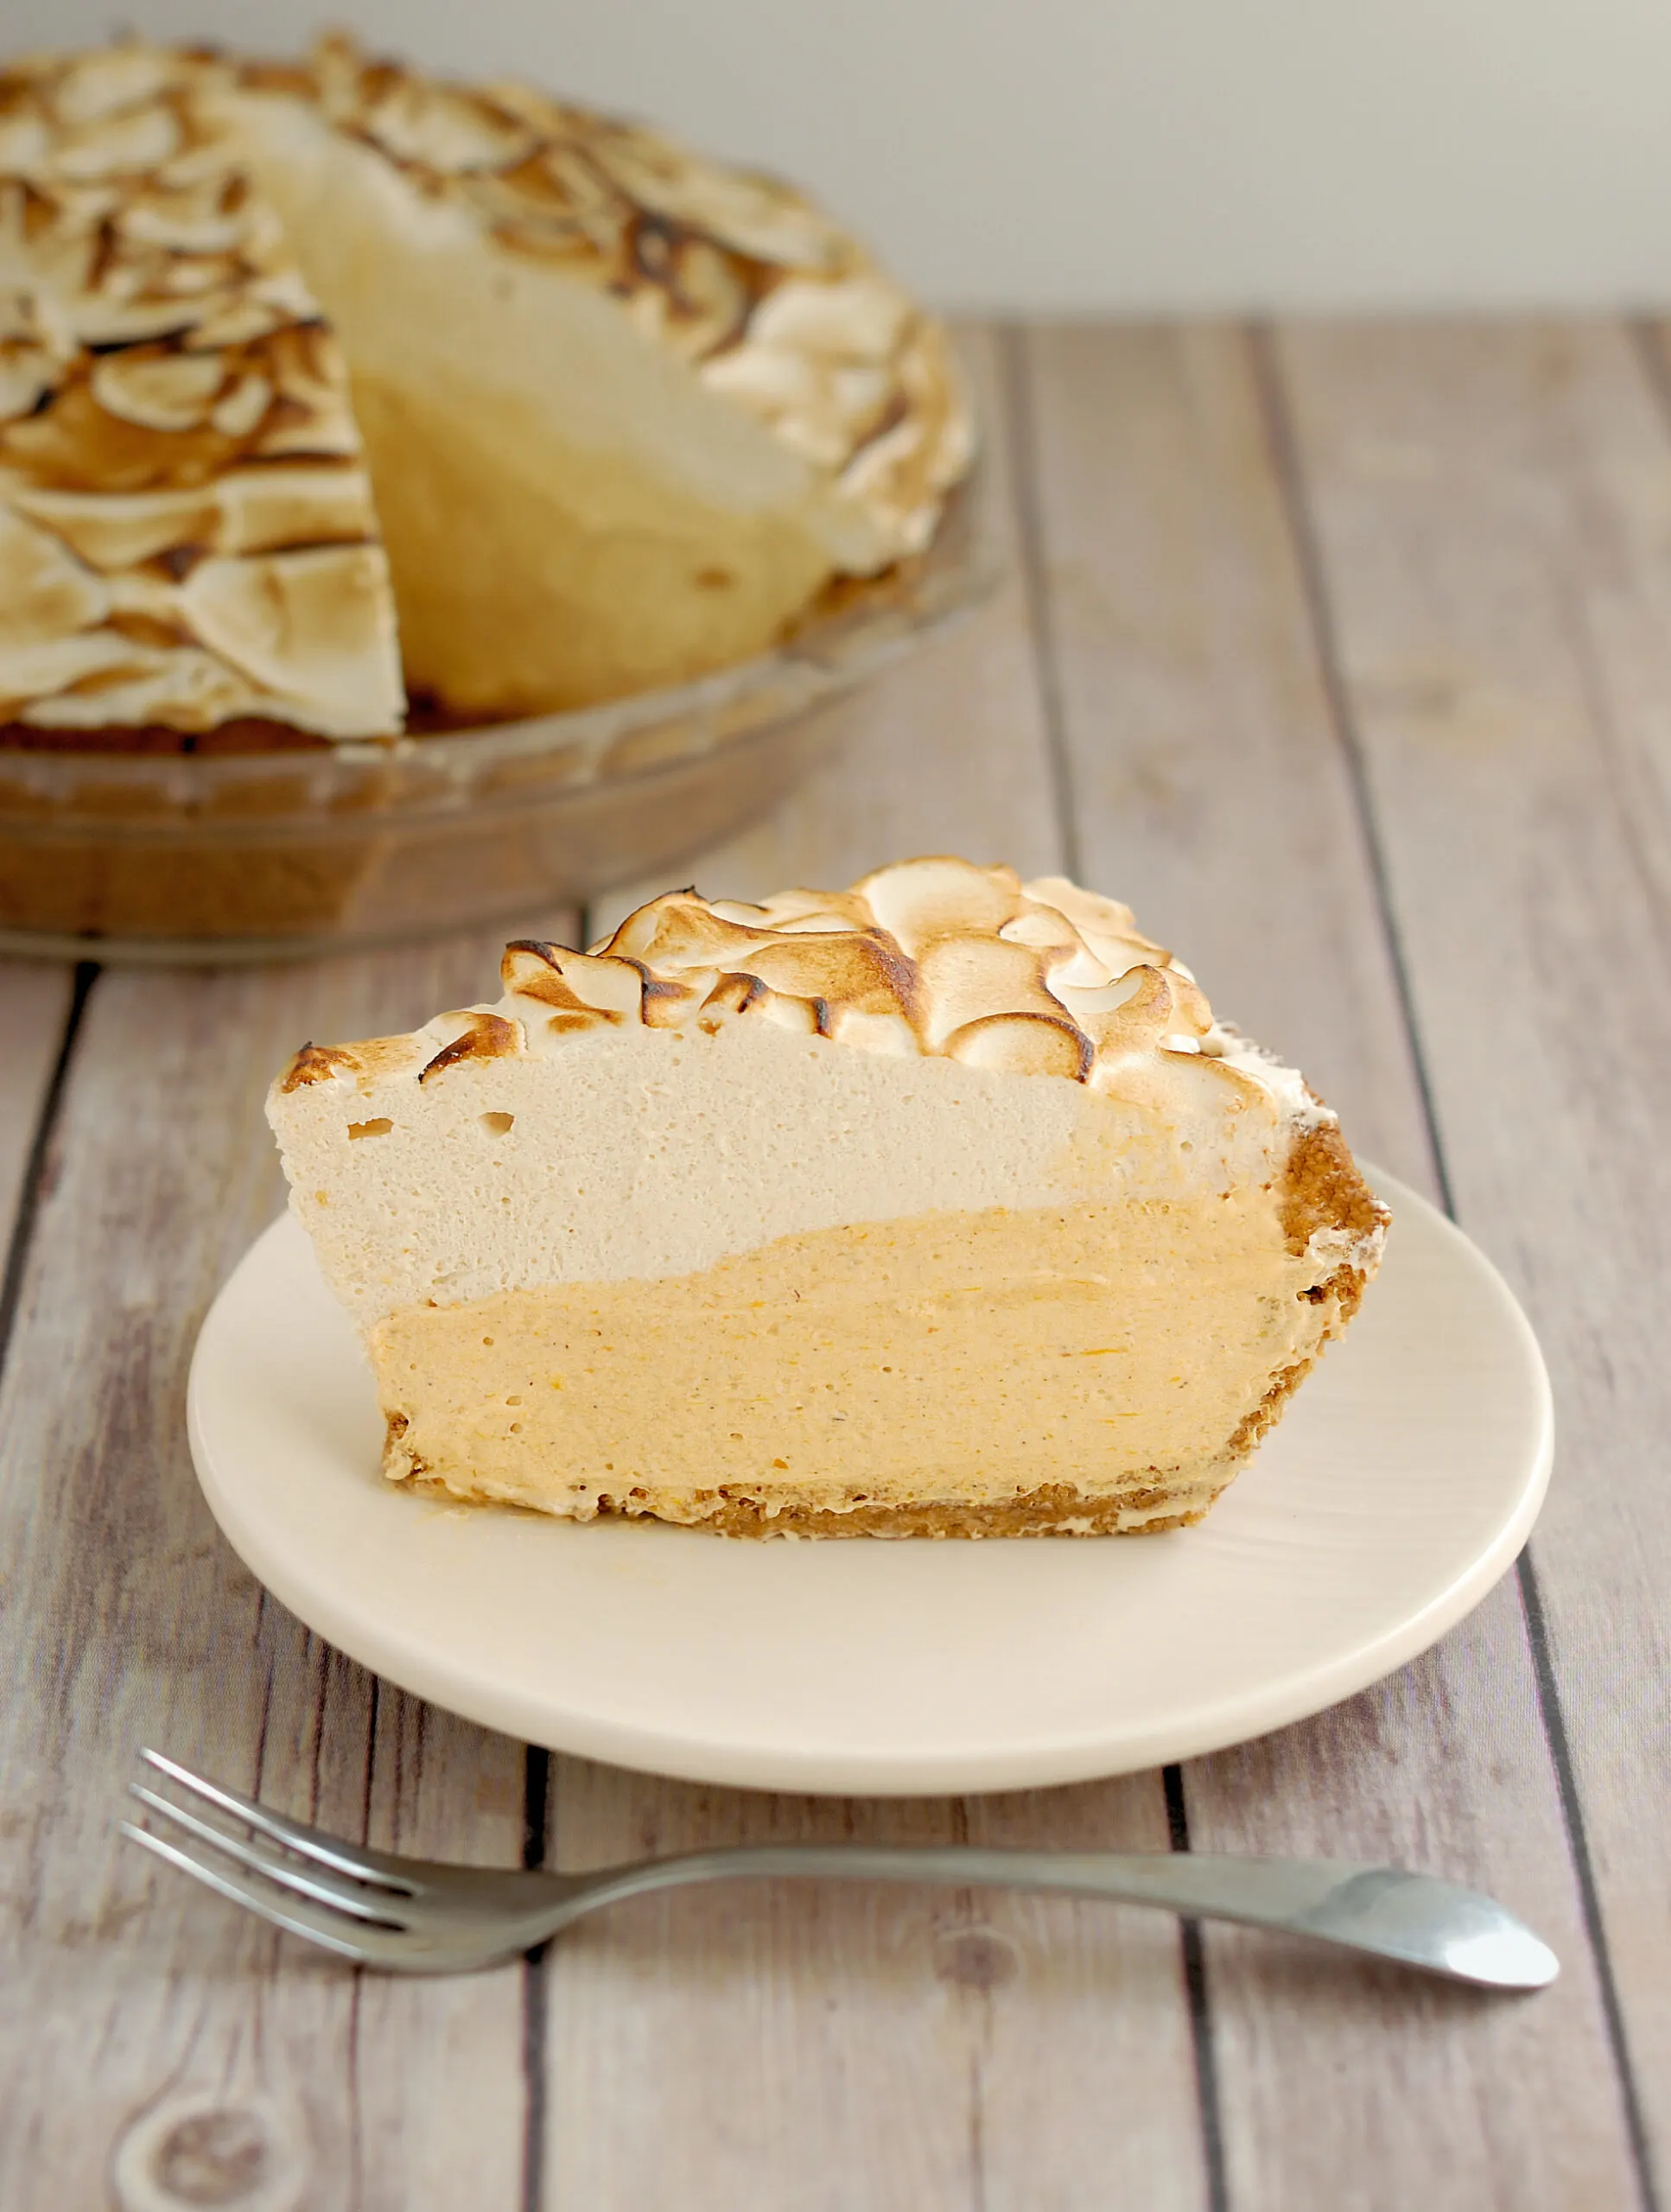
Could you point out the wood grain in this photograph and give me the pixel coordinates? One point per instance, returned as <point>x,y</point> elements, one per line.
<point>35,1002</point>
<point>821,2046</point>
<point>1212,790</point>
<point>818,2047</point>
<point>1205,786</point>
<point>154,2041</point>
<point>1346,657</point>
<point>1493,506</point>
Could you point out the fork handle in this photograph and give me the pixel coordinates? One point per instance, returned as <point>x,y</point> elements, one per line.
<point>1413,1918</point>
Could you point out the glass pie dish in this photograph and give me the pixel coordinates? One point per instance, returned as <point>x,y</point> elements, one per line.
<point>256,856</point>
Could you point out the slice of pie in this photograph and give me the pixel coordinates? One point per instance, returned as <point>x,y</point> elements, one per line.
<point>938,1206</point>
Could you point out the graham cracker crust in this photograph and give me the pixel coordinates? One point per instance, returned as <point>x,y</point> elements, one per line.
<point>1323,1189</point>
<point>245,733</point>
<point>1053,1510</point>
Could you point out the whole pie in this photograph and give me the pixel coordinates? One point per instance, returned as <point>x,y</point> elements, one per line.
<point>941,1205</point>
<point>332,396</point>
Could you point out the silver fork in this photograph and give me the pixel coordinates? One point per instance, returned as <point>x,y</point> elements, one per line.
<point>418,1915</point>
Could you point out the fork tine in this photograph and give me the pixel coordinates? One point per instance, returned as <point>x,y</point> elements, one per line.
<point>347,1896</point>
<point>363,1863</point>
<point>375,1945</point>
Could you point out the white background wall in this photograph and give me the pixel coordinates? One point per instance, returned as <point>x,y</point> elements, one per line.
<point>1086,155</point>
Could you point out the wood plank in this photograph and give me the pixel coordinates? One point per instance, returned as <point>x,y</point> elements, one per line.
<point>1492,509</point>
<point>156,2041</point>
<point>818,2047</point>
<point>1206,788</point>
<point>826,2047</point>
<point>35,1002</point>
<point>1493,504</point>
<point>1212,791</point>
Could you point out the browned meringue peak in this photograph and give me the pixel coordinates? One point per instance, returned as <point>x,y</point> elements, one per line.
<point>185,529</point>
<point>773,304</point>
<point>931,956</point>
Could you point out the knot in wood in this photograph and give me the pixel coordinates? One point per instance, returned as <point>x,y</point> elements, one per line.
<point>208,2154</point>
<point>976,1958</point>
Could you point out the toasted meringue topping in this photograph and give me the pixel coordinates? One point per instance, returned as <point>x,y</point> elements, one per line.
<point>775,306</point>
<point>160,348</point>
<point>932,957</point>
<point>185,528</point>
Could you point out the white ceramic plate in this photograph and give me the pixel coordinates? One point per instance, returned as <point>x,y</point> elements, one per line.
<point>1402,1482</point>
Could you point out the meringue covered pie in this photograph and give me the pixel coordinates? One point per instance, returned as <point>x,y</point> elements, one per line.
<point>332,392</point>
<point>938,1207</point>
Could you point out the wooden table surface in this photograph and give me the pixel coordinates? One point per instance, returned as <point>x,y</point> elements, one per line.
<point>1344,654</point>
